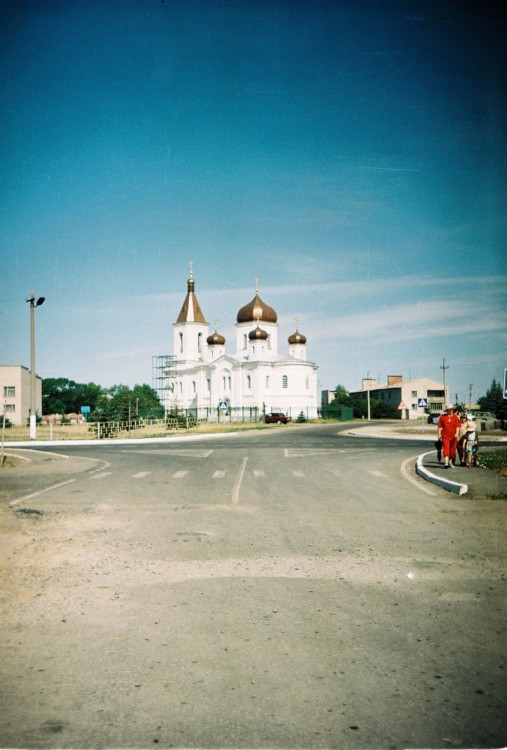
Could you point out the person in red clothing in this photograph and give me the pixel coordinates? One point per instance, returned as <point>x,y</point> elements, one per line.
<point>448,428</point>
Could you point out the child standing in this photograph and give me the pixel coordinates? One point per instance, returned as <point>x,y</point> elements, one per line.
<point>472,442</point>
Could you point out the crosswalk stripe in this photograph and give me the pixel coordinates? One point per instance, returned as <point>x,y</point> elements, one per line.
<point>220,474</point>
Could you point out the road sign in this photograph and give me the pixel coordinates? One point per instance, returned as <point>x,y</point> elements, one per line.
<point>222,405</point>
<point>422,403</point>
<point>401,406</point>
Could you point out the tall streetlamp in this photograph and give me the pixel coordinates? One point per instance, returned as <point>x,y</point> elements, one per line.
<point>33,419</point>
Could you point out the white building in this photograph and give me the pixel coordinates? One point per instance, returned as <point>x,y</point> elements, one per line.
<point>15,394</point>
<point>407,396</point>
<point>256,379</point>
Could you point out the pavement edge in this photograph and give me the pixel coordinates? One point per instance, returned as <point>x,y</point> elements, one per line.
<point>457,487</point>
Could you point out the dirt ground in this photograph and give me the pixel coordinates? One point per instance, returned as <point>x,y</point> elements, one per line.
<point>87,624</point>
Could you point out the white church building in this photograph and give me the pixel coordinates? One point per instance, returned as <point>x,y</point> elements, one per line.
<point>201,377</point>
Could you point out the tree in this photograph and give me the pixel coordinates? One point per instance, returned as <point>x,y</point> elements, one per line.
<point>104,410</point>
<point>123,404</point>
<point>340,395</point>
<point>63,396</point>
<point>493,401</point>
<point>333,409</point>
<point>381,410</point>
<point>147,402</point>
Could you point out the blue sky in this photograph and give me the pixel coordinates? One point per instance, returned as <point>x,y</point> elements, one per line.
<point>352,155</point>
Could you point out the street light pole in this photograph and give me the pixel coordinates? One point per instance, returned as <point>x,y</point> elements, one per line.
<point>33,418</point>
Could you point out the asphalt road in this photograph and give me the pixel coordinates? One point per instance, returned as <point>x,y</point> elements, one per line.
<point>288,588</point>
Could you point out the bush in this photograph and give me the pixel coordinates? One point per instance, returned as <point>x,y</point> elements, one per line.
<point>180,418</point>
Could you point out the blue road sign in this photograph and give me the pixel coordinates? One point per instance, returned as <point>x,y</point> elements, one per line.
<point>422,402</point>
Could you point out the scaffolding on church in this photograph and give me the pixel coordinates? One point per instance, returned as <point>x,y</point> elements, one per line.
<point>162,378</point>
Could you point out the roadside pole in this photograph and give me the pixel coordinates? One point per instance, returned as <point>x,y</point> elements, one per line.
<point>3,439</point>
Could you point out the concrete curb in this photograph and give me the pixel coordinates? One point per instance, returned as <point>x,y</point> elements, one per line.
<point>446,484</point>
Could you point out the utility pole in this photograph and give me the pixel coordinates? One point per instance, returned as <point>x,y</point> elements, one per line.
<point>470,396</point>
<point>33,419</point>
<point>368,396</point>
<point>444,368</point>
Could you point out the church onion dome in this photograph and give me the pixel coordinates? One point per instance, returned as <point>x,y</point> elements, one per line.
<point>297,338</point>
<point>216,339</point>
<point>256,311</point>
<point>258,334</point>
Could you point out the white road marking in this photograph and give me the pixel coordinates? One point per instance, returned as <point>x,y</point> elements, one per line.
<point>105,465</point>
<point>41,492</point>
<point>299,474</point>
<point>180,474</point>
<point>218,474</point>
<point>239,479</point>
<point>377,473</point>
<point>299,452</point>
<point>102,476</point>
<point>141,474</point>
<point>170,451</point>
<point>21,458</point>
<point>415,482</point>
<point>259,473</point>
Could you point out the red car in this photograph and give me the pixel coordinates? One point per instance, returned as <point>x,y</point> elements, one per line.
<point>277,417</point>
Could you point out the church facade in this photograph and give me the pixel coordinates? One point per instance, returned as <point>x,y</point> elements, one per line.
<point>202,377</point>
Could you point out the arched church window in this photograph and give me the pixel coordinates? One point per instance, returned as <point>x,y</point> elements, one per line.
<point>208,384</point>
<point>199,341</point>
<point>248,382</point>
<point>245,340</point>
<point>194,388</point>
<point>181,343</point>
<point>285,382</point>
<point>267,381</point>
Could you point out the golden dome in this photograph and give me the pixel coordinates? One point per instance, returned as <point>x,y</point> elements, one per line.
<point>258,335</point>
<point>215,339</point>
<point>256,311</point>
<point>297,338</point>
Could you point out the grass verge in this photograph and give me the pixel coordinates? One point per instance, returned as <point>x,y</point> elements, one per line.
<point>495,459</point>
